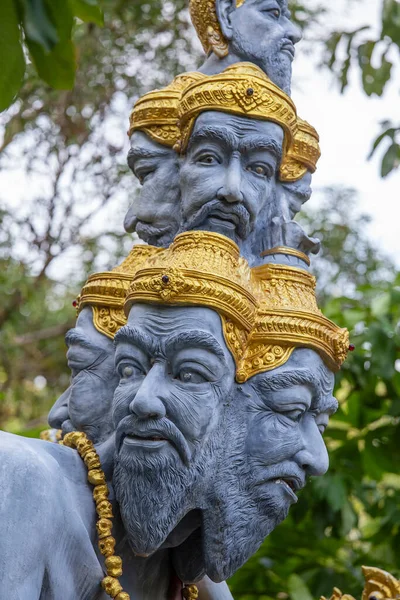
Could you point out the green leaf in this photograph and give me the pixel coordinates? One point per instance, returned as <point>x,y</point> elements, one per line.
<point>390,160</point>
<point>391,132</point>
<point>57,67</point>
<point>37,24</point>
<point>88,11</point>
<point>381,305</point>
<point>298,590</point>
<point>373,80</point>
<point>391,20</point>
<point>13,62</point>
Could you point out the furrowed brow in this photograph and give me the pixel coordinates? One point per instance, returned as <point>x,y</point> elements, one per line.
<point>135,337</point>
<point>261,143</point>
<point>211,134</point>
<point>73,336</point>
<point>279,381</point>
<point>195,339</point>
<point>136,153</point>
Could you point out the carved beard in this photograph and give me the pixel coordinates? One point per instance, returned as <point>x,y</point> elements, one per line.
<point>155,492</point>
<point>272,62</point>
<point>237,521</point>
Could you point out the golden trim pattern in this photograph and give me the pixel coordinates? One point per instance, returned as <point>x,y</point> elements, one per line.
<point>242,89</point>
<point>288,251</point>
<point>288,317</point>
<point>105,292</point>
<point>303,154</point>
<point>379,585</point>
<point>205,21</point>
<point>201,269</point>
<point>156,113</point>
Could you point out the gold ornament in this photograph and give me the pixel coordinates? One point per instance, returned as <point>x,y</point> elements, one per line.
<point>156,113</point>
<point>203,269</point>
<point>379,585</point>
<point>96,477</point>
<point>105,292</point>
<point>288,251</point>
<point>303,154</point>
<point>288,317</point>
<point>205,21</point>
<point>242,89</point>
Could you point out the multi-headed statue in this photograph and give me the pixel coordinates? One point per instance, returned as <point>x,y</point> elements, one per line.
<point>202,368</point>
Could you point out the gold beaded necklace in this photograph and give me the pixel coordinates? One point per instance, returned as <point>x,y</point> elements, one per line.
<point>97,478</point>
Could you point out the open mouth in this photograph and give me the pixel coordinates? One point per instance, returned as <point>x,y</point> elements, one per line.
<point>289,485</point>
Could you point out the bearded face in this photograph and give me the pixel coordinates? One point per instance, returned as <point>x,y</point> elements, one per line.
<point>175,376</point>
<point>270,454</point>
<point>260,31</point>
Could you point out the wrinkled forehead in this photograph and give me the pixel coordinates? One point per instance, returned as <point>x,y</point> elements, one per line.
<point>190,325</point>
<point>86,335</point>
<point>143,146</point>
<point>305,368</point>
<point>283,5</point>
<point>238,128</point>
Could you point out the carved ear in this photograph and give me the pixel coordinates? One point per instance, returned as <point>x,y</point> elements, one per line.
<point>224,9</point>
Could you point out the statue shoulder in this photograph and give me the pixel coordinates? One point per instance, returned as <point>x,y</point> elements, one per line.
<point>30,467</point>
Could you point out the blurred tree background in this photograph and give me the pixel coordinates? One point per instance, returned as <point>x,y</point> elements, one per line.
<point>69,83</point>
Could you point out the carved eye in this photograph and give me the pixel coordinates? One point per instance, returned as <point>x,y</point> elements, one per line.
<point>127,372</point>
<point>275,12</point>
<point>187,376</point>
<point>294,415</point>
<point>260,170</point>
<point>207,159</point>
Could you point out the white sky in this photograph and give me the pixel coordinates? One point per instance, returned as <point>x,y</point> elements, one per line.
<point>347,125</point>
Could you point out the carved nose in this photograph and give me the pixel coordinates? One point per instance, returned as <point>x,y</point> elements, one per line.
<point>313,457</point>
<point>293,32</point>
<point>146,404</point>
<point>59,413</point>
<point>231,190</point>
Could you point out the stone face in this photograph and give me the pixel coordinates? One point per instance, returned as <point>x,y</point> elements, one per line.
<point>86,404</point>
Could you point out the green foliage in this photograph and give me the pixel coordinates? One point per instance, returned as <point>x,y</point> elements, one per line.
<point>344,49</point>
<point>44,28</point>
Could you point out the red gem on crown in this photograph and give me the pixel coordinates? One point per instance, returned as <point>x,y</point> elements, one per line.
<point>352,348</point>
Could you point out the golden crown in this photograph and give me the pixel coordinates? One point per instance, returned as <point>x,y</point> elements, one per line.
<point>156,113</point>
<point>205,21</point>
<point>203,269</point>
<point>303,155</point>
<point>242,89</point>
<point>288,317</point>
<point>379,585</point>
<point>105,292</point>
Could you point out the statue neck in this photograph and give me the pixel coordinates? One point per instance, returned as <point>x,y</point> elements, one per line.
<point>213,65</point>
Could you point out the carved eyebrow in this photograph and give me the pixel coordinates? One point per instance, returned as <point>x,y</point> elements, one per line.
<point>208,133</point>
<point>131,335</point>
<point>277,381</point>
<point>74,336</point>
<point>137,152</point>
<point>261,143</point>
<point>198,339</point>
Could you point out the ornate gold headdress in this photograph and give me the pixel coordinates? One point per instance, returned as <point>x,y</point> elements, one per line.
<point>303,155</point>
<point>203,269</point>
<point>242,89</point>
<point>288,317</point>
<point>379,585</point>
<point>156,113</point>
<point>106,292</point>
<point>205,21</point>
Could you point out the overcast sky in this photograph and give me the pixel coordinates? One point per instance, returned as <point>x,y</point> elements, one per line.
<point>347,125</point>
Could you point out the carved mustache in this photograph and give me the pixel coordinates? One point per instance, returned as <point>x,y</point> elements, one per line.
<point>161,428</point>
<point>236,211</point>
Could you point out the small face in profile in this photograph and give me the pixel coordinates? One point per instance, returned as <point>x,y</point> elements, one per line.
<point>295,194</point>
<point>175,371</point>
<point>260,31</point>
<point>86,404</point>
<point>229,173</point>
<point>286,412</point>
<point>155,213</point>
